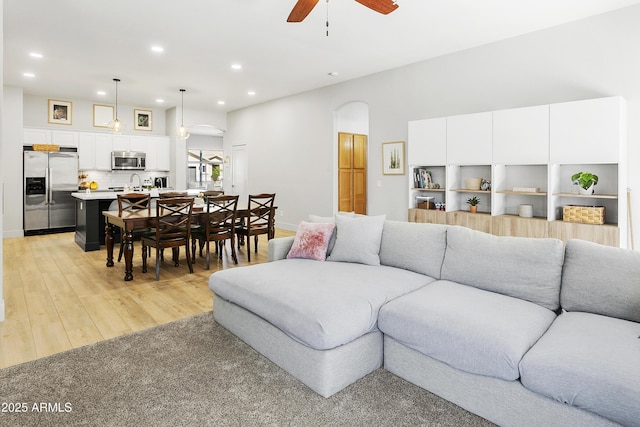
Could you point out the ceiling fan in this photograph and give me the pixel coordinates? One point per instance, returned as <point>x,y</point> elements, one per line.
<point>303,7</point>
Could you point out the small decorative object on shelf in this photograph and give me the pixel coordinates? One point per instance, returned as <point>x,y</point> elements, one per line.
<point>473,183</point>
<point>486,185</point>
<point>473,204</point>
<point>586,181</point>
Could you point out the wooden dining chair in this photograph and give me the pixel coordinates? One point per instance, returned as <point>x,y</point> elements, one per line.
<point>131,202</point>
<point>219,226</point>
<point>172,230</point>
<point>172,194</point>
<point>212,193</point>
<point>260,220</point>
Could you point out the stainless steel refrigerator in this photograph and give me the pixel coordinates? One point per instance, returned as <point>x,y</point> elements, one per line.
<point>49,180</point>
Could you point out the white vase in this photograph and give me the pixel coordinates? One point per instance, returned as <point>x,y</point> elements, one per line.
<point>589,191</point>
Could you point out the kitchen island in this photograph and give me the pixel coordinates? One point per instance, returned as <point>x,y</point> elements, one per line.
<point>90,223</point>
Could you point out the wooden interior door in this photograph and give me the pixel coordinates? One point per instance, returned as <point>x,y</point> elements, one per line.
<point>352,173</point>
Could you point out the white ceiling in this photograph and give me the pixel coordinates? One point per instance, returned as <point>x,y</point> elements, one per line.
<point>86,43</point>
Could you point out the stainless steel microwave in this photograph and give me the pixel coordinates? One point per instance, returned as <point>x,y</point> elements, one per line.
<point>128,160</point>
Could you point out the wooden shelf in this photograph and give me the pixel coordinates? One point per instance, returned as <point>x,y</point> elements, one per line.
<point>428,189</point>
<point>587,196</point>
<point>523,193</point>
<point>472,191</point>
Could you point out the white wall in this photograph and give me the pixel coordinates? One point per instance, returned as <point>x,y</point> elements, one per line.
<point>290,140</point>
<point>1,156</point>
<point>12,161</point>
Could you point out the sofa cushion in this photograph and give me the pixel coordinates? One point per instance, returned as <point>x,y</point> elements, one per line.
<point>414,246</point>
<point>332,220</point>
<point>589,361</point>
<point>311,241</point>
<point>601,279</point>
<point>320,304</point>
<point>358,239</point>
<point>521,267</point>
<point>467,328</point>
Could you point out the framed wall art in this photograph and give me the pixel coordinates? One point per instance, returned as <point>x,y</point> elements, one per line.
<point>142,119</point>
<point>60,112</point>
<point>393,158</point>
<point>102,115</point>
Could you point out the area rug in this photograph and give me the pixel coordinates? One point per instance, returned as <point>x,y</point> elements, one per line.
<point>194,372</point>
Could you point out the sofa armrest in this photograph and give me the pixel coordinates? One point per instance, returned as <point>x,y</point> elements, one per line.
<point>279,247</point>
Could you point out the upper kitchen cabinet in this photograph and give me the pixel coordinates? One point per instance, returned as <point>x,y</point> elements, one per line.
<point>158,157</point>
<point>521,136</point>
<point>427,142</point>
<point>587,131</point>
<point>94,151</point>
<point>45,136</point>
<point>469,139</point>
<point>129,143</point>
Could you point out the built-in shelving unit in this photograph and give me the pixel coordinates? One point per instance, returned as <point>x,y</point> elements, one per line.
<point>529,155</point>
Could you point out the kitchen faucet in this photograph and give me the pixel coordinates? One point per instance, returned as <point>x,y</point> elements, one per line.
<point>139,187</point>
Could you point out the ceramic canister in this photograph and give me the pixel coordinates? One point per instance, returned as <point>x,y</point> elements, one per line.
<point>525,211</point>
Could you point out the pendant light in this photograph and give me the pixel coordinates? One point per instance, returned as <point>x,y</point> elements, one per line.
<point>182,132</point>
<point>116,125</point>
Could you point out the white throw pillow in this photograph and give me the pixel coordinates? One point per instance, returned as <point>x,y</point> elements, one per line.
<point>317,219</point>
<point>358,239</point>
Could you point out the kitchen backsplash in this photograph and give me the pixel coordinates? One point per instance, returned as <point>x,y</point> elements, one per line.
<point>117,178</point>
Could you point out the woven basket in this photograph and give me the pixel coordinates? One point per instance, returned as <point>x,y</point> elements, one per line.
<point>583,214</point>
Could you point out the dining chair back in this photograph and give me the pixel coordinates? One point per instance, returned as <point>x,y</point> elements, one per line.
<point>260,220</point>
<point>172,194</point>
<point>219,226</point>
<point>212,193</point>
<point>131,202</point>
<point>172,230</point>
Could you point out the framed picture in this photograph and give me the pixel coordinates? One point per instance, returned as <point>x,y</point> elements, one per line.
<point>60,112</point>
<point>393,158</point>
<point>102,115</point>
<point>142,119</point>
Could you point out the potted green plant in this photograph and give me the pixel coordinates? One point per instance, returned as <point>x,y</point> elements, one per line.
<point>586,181</point>
<point>473,204</point>
<point>215,173</point>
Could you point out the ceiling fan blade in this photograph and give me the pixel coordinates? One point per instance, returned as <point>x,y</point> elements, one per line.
<point>381,6</point>
<point>301,10</point>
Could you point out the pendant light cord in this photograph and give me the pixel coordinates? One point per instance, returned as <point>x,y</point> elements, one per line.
<point>116,80</point>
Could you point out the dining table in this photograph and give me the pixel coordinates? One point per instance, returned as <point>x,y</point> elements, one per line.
<point>128,221</point>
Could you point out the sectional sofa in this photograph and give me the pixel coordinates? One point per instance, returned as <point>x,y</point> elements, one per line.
<point>520,331</point>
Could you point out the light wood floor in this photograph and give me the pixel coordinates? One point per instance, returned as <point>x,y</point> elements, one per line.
<point>58,297</point>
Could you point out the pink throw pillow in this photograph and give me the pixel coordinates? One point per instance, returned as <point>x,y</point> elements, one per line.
<point>312,241</point>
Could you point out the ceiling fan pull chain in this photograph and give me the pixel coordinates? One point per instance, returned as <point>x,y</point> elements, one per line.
<point>327,18</point>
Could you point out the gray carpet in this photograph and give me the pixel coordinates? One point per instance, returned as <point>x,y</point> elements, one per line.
<point>194,372</point>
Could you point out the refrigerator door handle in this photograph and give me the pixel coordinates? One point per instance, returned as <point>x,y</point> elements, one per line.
<point>49,195</point>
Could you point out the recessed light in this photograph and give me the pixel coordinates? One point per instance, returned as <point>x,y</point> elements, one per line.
<point>28,74</point>
<point>333,73</point>
<point>220,102</point>
<point>236,66</point>
<point>101,92</point>
<point>159,100</point>
<point>157,49</point>
<point>35,55</point>
<point>251,92</point>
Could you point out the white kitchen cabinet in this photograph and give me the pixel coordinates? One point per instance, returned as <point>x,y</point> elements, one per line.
<point>36,136</point>
<point>521,136</point>
<point>138,144</point>
<point>428,141</point>
<point>158,157</point>
<point>587,131</point>
<point>120,143</point>
<point>94,151</point>
<point>103,150</point>
<point>64,138</point>
<point>86,151</point>
<point>469,139</point>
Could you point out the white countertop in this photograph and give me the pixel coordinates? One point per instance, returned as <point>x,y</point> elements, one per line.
<point>113,195</point>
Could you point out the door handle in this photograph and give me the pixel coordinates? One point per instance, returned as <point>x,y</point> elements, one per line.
<point>49,194</point>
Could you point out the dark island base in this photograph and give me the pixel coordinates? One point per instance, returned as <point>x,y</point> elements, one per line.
<point>90,223</point>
